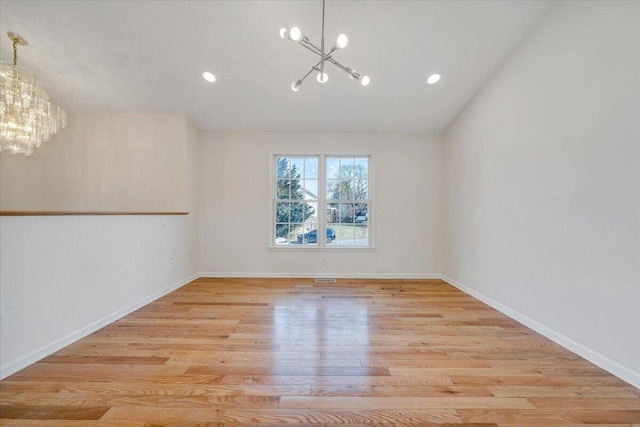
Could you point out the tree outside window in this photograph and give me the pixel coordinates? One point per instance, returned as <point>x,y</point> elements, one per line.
<point>341,212</point>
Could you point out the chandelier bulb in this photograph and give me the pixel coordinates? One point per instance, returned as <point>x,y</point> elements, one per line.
<point>342,41</point>
<point>364,80</point>
<point>322,77</point>
<point>295,86</point>
<point>283,33</point>
<point>295,34</point>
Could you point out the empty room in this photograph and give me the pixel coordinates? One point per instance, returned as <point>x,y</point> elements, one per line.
<point>319,213</point>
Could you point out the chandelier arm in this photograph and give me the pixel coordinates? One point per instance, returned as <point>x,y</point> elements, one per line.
<point>314,68</point>
<point>299,82</point>
<point>343,68</point>
<point>330,59</point>
<point>313,49</point>
<point>307,42</point>
<point>317,52</point>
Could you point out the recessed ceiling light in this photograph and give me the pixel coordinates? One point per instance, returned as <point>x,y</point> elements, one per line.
<point>433,79</point>
<point>209,77</point>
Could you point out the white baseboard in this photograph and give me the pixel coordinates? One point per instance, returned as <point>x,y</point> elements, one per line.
<point>604,362</point>
<point>42,352</point>
<point>318,275</point>
<point>594,357</point>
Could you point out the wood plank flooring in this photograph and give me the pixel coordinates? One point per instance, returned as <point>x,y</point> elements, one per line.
<point>260,352</point>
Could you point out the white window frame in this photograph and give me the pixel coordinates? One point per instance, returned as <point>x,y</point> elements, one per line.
<point>322,202</point>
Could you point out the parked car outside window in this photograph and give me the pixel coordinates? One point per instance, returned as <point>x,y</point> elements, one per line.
<point>312,236</point>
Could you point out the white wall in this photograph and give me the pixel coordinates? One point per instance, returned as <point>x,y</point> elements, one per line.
<point>102,162</point>
<point>542,184</point>
<point>236,198</point>
<point>62,277</point>
<point>191,188</point>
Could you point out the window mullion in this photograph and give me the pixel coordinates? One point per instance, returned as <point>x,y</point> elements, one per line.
<point>322,204</point>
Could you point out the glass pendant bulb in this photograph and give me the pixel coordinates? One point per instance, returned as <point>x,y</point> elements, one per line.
<point>322,77</point>
<point>343,40</point>
<point>283,33</point>
<point>364,80</point>
<point>295,34</point>
<point>295,86</point>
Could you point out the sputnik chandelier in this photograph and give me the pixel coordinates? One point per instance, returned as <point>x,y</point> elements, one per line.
<point>295,35</point>
<point>27,119</point>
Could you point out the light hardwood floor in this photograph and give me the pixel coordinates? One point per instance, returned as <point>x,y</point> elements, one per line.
<point>233,352</point>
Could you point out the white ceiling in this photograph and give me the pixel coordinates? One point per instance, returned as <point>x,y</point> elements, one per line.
<point>148,56</point>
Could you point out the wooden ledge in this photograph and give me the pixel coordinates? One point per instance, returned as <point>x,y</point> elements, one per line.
<point>57,213</point>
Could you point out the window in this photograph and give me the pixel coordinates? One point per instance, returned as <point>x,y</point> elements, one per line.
<point>321,201</point>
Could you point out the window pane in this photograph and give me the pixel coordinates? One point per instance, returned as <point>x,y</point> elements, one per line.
<point>298,211</point>
<point>361,232</point>
<point>333,167</point>
<point>333,233</point>
<point>362,163</point>
<point>332,188</point>
<point>351,179</point>
<point>294,231</point>
<point>361,190</point>
<point>309,237</point>
<point>361,213</point>
<point>282,212</point>
<point>347,213</point>
<point>344,234</point>
<point>311,189</point>
<point>340,190</point>
<point>282,230</point>
<point>361,178</point>
<point>297,167</point>
<point>311,167</point>
<point>283,189</point>
<point>282,167</point>
<point>310,215</point>
<point>332,213</point>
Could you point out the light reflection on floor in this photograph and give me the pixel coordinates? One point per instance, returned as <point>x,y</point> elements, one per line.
<point>321,332</point>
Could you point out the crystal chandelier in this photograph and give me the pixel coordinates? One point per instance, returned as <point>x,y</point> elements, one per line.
<point>27,118</point>
<point>295,35</point>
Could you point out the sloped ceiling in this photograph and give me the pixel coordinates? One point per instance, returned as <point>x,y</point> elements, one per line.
<point>148,56</point>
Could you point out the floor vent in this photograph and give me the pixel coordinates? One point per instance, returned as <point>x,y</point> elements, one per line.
<point>326,280</point>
